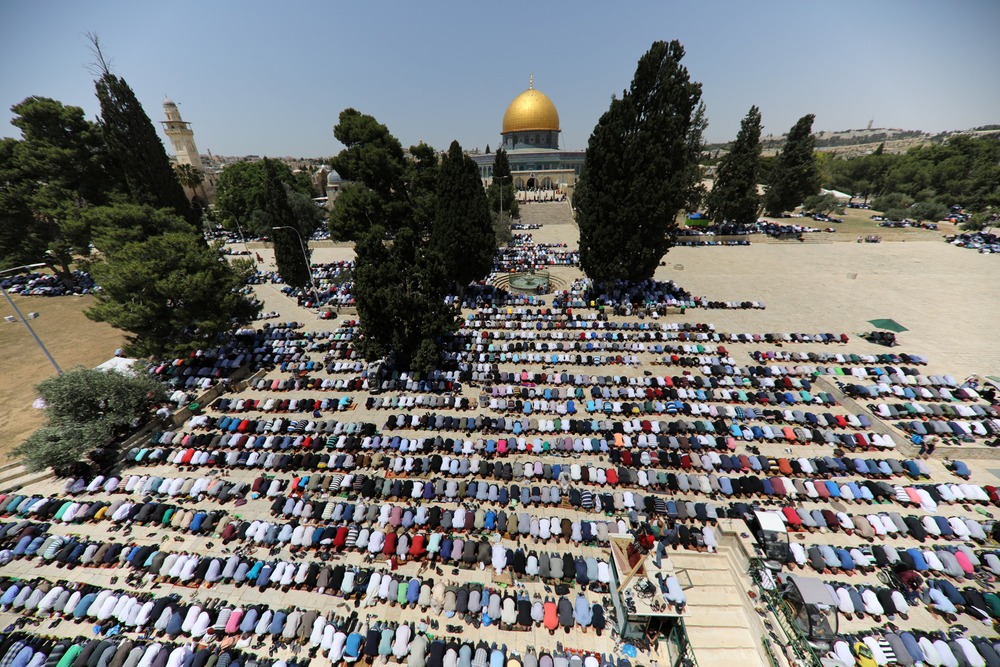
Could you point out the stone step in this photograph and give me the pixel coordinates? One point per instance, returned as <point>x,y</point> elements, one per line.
<point>7,466</point>
<point>708,637</point>
<point>699,562</point>
<point>727,657</point>
<point>12,472</point>
<point>708,593</point>
<point>23,479</point>
<point>710,616</point>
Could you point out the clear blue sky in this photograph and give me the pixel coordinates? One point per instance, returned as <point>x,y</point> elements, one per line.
<point>269,78</point>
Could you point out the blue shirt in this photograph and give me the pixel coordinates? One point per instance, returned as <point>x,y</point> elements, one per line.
<point>352,648</point>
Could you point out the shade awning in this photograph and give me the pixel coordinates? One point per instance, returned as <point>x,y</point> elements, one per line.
<point>890,325</point>
<point>813,590</point>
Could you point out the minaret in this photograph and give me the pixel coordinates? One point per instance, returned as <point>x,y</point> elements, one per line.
<point>181,136</point>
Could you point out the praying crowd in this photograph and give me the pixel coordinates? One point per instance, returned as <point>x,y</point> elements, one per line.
<point>316,509</point>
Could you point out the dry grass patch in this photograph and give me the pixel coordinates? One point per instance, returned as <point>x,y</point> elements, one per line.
<point>70,337</point>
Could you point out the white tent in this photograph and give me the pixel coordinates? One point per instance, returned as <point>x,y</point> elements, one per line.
<point>120,364</point>
<point>841,196</point>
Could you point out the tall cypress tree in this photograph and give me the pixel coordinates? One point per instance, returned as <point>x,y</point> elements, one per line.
<point>796,173</point>
<point>734,197</point>
<point>503,186</point>
<point>135,147</point>
<point>288,248</point>
<point>399,288</point>
<point>641,169</point>
<point>463,229</point>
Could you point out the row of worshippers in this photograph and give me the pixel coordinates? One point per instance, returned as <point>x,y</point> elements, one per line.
<point>631,463</point>
<point>281,425</point>
<point>886,524</point>
<point>437,546</point>
<point>960,562</point>
<point>123,511</point>
<point>286,405</point>
<point>173,616</point>
<point>921,648</point>
<point>67,510</point>
<point>20,649</point>
<point>765,356</point>
<point>940,596</point>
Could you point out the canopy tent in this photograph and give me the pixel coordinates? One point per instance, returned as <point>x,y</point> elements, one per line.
<point>840,196</point>
<point>889,325</point>
<point>119,364</point>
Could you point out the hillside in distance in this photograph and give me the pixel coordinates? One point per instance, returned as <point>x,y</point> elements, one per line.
<point>852,143</point>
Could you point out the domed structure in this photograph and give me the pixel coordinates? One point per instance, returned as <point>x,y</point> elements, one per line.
<point>530,136</point>
<point>531,110</point>
<point>531,121</point>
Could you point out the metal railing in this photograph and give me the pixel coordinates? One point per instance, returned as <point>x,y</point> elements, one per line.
<point>679,646</point>
<point>802,652</point>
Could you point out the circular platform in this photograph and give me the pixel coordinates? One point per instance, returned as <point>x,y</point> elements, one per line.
<point>529,283</point>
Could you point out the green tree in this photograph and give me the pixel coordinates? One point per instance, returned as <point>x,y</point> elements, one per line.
<point>767,163</point>
<point>501,190</point>
<point>189,178</point>
<point>892,200</point>
<point>240,198</point>
<point>375,166</point>
<point>796,174</point>
<point>641,169</point>
<point>929,211</point>
<point>171,293</point>
<point>85,409</point>
<point>423,170</point>
<point>134,145</point>
<point>463,233</point>
<point>289,242</point>
<point>116,225</point>
<point>734,195</point>
<point>388,209</point>
<point>824,204</point>
<point>977,222</point>
<point>399,287</point>
<point>57,168</point>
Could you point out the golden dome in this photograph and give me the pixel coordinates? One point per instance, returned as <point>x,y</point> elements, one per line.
<point>531,110</point>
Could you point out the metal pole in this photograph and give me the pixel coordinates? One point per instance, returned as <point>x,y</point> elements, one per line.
<point>242,236</point>
<point>25,320</point>
<point>305,256</point>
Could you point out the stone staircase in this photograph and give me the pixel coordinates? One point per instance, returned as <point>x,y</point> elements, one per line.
<point>718,627</point>
<point>14,476</point>
<point>546,213</point>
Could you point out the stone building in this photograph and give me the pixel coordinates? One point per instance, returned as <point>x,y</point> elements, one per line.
<point>186,151</point>
<point>530,135</point>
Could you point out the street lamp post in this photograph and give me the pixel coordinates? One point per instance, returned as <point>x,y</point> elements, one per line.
<point>243,237</point>
<point>17,310</point>
<point>305,256</point>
